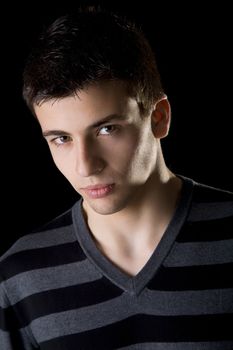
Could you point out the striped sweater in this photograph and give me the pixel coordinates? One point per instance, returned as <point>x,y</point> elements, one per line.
<point>58,292</point>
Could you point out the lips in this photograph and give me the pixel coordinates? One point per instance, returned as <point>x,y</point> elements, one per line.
<point>98,191</point>
<point>96,187</point>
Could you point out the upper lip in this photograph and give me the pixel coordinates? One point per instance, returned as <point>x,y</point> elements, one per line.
<point>96,187</point>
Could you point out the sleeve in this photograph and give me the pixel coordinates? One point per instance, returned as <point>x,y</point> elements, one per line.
<point>12,337</point>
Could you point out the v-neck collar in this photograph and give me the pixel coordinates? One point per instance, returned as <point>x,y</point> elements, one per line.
<point>134,284</point>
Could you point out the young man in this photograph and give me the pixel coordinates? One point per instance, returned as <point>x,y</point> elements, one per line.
<point>144,259</point>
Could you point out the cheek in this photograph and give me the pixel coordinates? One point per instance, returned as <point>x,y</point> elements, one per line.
<point>123,154</point>
<point>140,160</point>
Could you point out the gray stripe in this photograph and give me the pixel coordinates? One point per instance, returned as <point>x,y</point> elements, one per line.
<point>83,319</point>
<point>210,211</point>
<point>42,239</point>
<point>5,341</point>
<point>36,281</point>
<point>4,302</point>
<point>200,253</point>
<point>222,345</point>
<point>117,309</point>
<point>186,303</point>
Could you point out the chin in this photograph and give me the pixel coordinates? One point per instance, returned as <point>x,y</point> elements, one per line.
<point>106,207</point>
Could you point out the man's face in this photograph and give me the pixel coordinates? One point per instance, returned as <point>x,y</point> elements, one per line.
<point>98,139</point>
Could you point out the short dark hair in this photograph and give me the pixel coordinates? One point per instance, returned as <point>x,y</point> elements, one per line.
<point>85,48</point>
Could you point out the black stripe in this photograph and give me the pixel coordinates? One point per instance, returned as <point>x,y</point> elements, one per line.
<point>214,230</point>
<point>193,277</point>
<point>8,319</point>
<point>33,259</point>
<point>148,329</point>
<point>63,299</point>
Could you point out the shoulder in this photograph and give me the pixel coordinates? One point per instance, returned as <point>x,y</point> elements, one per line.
<point>37,245</point>
<point>211,203</point>
<point>206,201</point>
<point>208,194</point>
<point>211,212</point>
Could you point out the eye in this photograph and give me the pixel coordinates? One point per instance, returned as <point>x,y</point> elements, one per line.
<point>61,140</point>
<point>107,129</point>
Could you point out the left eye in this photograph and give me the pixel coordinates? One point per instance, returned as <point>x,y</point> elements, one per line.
<point>106,130</point>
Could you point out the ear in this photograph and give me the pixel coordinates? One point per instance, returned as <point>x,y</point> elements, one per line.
<point>161,118</point>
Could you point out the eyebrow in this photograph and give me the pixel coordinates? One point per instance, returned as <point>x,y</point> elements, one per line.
<point>109,118</point>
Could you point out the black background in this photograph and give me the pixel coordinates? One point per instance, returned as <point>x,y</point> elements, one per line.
<point>193,46</point>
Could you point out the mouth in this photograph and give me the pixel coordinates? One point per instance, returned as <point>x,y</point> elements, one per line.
<point>98,191</point>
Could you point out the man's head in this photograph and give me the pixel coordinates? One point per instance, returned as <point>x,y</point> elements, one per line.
<point>86,48</point>
<point>99,139</point>
<point>90,83</point>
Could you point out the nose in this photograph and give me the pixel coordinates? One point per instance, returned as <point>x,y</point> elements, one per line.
<point>88,160</point>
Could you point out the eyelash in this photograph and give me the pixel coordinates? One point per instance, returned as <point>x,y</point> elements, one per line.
<point>114,127</point>
<point>56,140</point>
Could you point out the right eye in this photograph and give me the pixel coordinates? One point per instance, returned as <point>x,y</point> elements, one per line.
<point>60,140</point>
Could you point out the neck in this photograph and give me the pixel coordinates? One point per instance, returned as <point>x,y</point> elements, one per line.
<point>126,230</point>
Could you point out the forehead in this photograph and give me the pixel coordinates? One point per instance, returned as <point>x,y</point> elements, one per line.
<point>88,106</point>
